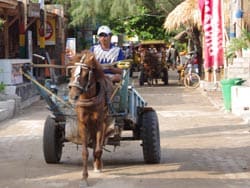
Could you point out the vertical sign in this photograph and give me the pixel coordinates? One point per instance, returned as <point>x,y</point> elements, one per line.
<point>50,31</point>
<point>211,14</point>
<point>42,26</point>
<point>70,48</point>
<point>22,29</point>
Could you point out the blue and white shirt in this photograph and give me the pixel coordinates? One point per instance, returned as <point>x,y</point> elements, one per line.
<point>107,56</point>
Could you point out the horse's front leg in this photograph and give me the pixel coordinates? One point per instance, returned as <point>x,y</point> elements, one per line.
<point>156,81</point>
<point>98,150</point>
<point>85,154</point>
<point>150,80</point>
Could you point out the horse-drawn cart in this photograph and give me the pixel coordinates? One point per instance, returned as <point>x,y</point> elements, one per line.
<point>127,106</point>
<point>153,62</point>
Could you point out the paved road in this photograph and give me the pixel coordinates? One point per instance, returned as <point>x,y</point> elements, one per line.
<point>202,147</point>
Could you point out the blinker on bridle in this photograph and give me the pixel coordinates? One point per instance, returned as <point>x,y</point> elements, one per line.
<point>79,66</point>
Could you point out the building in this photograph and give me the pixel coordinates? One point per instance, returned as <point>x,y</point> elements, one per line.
<point>29,28</point>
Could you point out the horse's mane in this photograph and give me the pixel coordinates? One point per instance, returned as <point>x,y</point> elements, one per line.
<point>91,61</point>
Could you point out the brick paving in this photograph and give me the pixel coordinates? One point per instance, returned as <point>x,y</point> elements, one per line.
<point>215,98</point>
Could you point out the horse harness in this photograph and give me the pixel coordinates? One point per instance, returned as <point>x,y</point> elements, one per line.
<point>84,89</point>
<point>79,66</point>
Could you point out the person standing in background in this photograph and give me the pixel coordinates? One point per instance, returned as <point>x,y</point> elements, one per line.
<point>173,56</point>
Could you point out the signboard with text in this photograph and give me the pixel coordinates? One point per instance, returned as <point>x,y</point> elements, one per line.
<point>50,29</point>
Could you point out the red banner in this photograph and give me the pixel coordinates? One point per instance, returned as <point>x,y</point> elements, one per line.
<point>211,15</point>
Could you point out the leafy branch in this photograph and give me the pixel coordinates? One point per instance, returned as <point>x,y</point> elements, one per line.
<point>239,43</point>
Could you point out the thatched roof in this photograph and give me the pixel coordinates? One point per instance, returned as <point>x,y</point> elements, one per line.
<point>187,13</point>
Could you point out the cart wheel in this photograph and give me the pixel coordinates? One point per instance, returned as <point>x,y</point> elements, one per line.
<point>138,126</point>
<point>52,142</point>
<point>132,70</point>
<point>151,137</point>
<point>141,78</point>
<point>192,80</point>
<point>165,76</point>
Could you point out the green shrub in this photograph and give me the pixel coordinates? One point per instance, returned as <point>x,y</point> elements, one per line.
<point>2,87</point>
<point>237,44</point>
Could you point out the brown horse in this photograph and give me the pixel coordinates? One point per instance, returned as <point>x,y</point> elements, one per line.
<point>151,66</point>
<point>89,89</point>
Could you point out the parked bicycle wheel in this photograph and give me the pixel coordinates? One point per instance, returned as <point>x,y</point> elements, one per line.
<point>192,80</point>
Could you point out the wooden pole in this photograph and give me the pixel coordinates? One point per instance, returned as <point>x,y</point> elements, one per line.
<point>6,36</point>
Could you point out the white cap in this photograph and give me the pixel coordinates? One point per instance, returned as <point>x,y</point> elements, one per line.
<point>104,29</point>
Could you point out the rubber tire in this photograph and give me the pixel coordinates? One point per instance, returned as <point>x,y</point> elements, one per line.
<point>52,144</point>
<point>165,76</point>
<point>150,137</point>
<point>141,78</point>
<point>131,73</point>
<point>137,130</point>
<point>196,76</point>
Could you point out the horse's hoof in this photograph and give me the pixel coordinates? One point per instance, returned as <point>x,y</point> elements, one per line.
<point>83,184</point>
<point>97,170</point>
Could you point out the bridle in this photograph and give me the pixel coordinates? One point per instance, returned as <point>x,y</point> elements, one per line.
<point>79,66</point>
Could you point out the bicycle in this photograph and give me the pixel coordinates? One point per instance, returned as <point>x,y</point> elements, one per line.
<point>192,80</point>
<point>188,73</point>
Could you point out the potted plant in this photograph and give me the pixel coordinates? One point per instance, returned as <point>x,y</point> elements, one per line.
<point>2,87</point>
<point>235,46</point>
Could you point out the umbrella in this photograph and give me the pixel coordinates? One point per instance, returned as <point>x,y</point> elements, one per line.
<point>187,13</point>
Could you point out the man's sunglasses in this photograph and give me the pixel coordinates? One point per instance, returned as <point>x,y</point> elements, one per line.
<point>103,35</point>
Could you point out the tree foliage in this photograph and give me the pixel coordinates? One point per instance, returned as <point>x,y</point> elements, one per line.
<point>144,18</point>
<point>144,25</point>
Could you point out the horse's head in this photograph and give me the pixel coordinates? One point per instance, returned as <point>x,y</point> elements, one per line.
<point>85,70</point>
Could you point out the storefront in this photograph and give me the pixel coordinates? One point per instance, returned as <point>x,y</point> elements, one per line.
<point>20,38</point>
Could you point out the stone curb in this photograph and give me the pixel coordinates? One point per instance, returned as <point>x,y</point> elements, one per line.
<point>9,108</point>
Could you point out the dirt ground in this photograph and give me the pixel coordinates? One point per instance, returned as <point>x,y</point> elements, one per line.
<point>201,147</point>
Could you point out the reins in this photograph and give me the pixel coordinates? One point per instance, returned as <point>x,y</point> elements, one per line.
<point>102,90</point>
<point>97,99</point>
<point>79,66</point>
